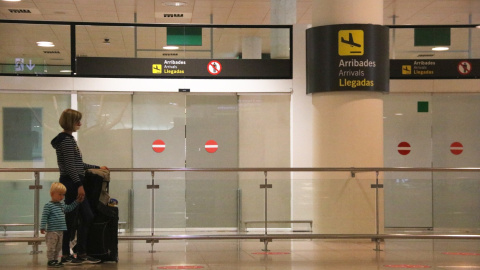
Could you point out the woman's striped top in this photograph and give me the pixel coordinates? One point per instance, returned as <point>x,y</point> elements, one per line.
<point>69,158</point>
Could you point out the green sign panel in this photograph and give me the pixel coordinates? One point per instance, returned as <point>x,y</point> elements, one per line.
<point>432,36</point>
<point>184,36</point>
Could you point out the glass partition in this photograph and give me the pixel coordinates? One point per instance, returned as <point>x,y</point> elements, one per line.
<point>21,53</point>
<point>35,49</point>
<point>459,43</point>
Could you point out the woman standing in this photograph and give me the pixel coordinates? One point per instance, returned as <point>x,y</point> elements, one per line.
<point>72,172</point>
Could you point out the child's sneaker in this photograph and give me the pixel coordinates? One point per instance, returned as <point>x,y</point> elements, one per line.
<point>53,264</point>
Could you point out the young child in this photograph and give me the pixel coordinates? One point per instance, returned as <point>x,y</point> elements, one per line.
<point>53,222</point>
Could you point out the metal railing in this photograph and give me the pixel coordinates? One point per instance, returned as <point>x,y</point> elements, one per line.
<point>266,237</point>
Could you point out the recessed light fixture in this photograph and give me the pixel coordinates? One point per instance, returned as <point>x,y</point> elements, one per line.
<point>170,47</point>
<point>11,0</point>
<point>65,71</point>
<point>174,4</point>
<point>45,44</point>
<point>440,49</point>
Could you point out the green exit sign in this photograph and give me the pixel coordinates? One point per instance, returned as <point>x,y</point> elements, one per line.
<point>25,65</point>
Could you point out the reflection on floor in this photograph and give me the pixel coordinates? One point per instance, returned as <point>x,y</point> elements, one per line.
<point>282,254</point>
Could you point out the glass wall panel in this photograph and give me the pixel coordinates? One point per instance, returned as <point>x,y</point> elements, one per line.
<point>264,141</point>
<point>105,138</point>
<point>15,191</point>
<point>407,143</point>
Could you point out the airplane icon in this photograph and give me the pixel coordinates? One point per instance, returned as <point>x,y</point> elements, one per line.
<point>156,68</point>
<point>350,41</point>
<point>406,69</point>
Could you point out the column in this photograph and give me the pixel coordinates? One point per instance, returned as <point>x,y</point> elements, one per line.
<point>347,129</point>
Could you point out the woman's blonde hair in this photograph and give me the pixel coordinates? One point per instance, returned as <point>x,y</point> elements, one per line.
<point>57,187</point>
<point>69,119</point>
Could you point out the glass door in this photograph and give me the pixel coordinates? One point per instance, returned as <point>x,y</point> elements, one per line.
<point>185,130</point>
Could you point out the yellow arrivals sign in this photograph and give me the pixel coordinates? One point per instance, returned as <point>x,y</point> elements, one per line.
<point>350,42</point>
<point>156,68</point>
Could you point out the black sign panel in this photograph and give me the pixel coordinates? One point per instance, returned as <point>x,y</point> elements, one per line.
<point>347,57</point>
<point>435,69</point>
<point>184,68</point>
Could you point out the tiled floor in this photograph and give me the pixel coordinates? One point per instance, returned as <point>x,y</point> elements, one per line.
<point>283,254</point>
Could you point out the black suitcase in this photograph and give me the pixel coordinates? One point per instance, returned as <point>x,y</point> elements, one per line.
<point>102,240</point>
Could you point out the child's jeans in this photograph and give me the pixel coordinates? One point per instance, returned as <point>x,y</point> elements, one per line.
<point>53,240</point>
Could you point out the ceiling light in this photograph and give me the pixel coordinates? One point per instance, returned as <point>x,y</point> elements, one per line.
<point>11,0</point>
<point>170,47</point>
<point>174,4</point>
<point>65,71</point>
<point>440,49</point>
<point>45,44</point>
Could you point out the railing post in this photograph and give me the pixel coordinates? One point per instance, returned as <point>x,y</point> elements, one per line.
<point>36,211</point>
<point>152,221</point>
<point>265,186</point>
<point>377,216</point>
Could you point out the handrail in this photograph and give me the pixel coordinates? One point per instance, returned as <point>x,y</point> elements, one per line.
<point>266,237</point>
<point>269,169</point>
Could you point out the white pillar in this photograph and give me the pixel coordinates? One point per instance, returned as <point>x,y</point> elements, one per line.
<point>348,132</point>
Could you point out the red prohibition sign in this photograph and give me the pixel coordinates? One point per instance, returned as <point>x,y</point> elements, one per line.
<point>158,146</point>
<point>211,146</point>
<point>214,67</point>
<point>456,148</point>
<point>404,148</point>
<point>464,67</point>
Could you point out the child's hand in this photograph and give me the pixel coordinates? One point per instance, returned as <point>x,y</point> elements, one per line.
<point>42,231</point>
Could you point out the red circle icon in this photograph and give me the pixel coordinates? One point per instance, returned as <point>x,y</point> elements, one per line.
<point>214,67</point>
<point>464,67</point>
<point>158,146</point>
<point>404,148</point>
<point>456,148</point>
<point>211,146</point>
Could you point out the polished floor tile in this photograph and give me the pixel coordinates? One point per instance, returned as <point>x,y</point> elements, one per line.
<point>282,254</point>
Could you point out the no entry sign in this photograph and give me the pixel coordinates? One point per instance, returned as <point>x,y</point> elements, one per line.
<point>456,148</point>
<point>158,146</point>
<point>211,146</point>
<point>404,148</point>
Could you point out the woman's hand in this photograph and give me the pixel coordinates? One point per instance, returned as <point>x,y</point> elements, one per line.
<point>42,231</point>
<point>105,168</point>
<point>81,193</point>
